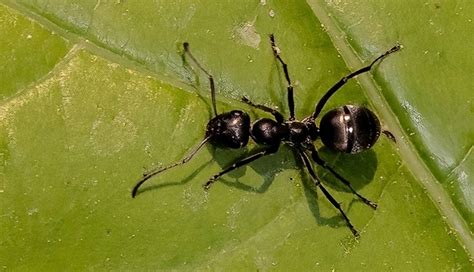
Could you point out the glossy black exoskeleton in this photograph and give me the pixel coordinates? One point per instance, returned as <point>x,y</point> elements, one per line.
<point>349,129</point>
<point>229,129</point>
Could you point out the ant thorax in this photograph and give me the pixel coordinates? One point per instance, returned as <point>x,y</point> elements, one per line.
<point>298,132</point>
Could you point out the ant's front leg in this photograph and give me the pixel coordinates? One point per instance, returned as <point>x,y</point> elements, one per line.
<point>278,116</point>
<point>240,163</point>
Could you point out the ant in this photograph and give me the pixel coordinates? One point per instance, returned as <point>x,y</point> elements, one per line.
<point>349,129</point>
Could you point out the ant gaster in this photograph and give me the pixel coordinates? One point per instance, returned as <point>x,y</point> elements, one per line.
<point>349,129</point>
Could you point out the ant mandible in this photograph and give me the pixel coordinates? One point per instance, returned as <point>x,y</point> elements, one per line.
<point>349,129</point>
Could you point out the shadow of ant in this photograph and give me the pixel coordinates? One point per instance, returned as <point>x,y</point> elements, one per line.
<point>366,160</point>
<point>260,167</point>
<point>311,193</point>
<point>363,166</point>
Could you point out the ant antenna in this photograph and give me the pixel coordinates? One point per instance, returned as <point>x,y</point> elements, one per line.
<point>211,79</point>
<point>156,171</point>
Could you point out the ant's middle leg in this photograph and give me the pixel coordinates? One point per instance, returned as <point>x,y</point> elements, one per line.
<point>291,100</point>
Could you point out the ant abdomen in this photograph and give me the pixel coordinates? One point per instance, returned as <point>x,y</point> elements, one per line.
<point>349,129</point>
<point>229,129</point>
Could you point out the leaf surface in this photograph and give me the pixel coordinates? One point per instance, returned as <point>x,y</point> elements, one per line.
<point>113,97</point>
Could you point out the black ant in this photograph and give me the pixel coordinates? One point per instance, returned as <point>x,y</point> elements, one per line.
<point>349,129</point>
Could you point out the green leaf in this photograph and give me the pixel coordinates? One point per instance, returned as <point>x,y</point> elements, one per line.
<point>431,86</point>
<point>105,94</point>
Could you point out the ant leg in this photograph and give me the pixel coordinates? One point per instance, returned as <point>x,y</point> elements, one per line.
<point>343,80</point>
<point>240,163</point>
<point>156,171</point>
<point>291,101</point>
<point>278,116</point>
<point>329,197</point>
<point>211,79</point>
<point>319,161</point>
<point>389,135</point>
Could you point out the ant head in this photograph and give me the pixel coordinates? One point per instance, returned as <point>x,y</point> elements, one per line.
<point>229,129</point>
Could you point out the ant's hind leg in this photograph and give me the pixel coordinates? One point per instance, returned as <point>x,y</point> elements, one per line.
<point>344,80</point>
<point>321,162</point>
<point>326,193</point>
<point>389,135</point>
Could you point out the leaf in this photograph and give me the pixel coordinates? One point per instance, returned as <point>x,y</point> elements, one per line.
<point>431,83</point>
<point>114,97</point>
